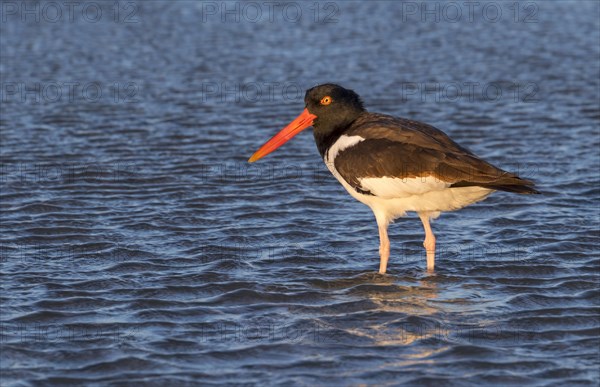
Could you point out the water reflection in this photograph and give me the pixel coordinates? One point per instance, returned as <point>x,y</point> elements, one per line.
<point>407,307</point>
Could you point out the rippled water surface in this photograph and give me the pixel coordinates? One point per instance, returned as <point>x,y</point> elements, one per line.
<point>139,247</point>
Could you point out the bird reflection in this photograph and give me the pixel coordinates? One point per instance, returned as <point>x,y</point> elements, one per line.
<point>411,302</point>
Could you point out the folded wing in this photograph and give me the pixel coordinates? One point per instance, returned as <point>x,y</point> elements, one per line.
<point>401,157</point>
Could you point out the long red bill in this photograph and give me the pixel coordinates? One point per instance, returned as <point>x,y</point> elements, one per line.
<point>303,121</point>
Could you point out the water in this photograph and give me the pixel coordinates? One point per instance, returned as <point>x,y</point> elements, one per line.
<point>138,246</point>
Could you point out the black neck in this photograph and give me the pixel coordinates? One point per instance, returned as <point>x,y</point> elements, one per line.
<point>326,138</point>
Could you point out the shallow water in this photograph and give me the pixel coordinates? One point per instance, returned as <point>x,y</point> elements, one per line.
<point>138,246</point>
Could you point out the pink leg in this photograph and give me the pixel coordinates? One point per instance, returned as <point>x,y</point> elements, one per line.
<point>429,242</point>
<point>384,248</point>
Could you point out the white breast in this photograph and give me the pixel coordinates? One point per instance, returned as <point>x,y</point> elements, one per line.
<point>342,143</point>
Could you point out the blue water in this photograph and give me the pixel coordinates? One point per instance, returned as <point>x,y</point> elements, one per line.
<point>139,247</point>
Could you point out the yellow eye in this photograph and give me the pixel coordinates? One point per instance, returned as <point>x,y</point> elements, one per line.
<point>326,100</point>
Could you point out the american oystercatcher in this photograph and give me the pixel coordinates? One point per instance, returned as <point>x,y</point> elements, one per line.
<point>394,165</point>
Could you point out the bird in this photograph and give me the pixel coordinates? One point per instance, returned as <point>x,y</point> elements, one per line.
<point>394,165</point>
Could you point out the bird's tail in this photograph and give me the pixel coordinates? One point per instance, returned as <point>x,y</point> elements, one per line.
<point>515,188</point>
<point>509,183</point>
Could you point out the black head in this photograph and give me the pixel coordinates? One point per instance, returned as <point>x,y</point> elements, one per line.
<point>334,106</point>
<point>330,109</point>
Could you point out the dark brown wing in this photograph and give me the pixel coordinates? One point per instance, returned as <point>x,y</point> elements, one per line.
<point>395,147</point>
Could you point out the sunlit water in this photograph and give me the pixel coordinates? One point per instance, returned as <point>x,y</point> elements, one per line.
<point>138,246</point>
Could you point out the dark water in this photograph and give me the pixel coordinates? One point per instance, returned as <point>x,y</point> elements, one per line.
<point>138,246</point>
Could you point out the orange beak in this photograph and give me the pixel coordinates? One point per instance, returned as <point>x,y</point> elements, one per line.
<point>301,122</point>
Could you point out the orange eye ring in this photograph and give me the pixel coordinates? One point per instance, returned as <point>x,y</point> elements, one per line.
<point>326,100</point>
